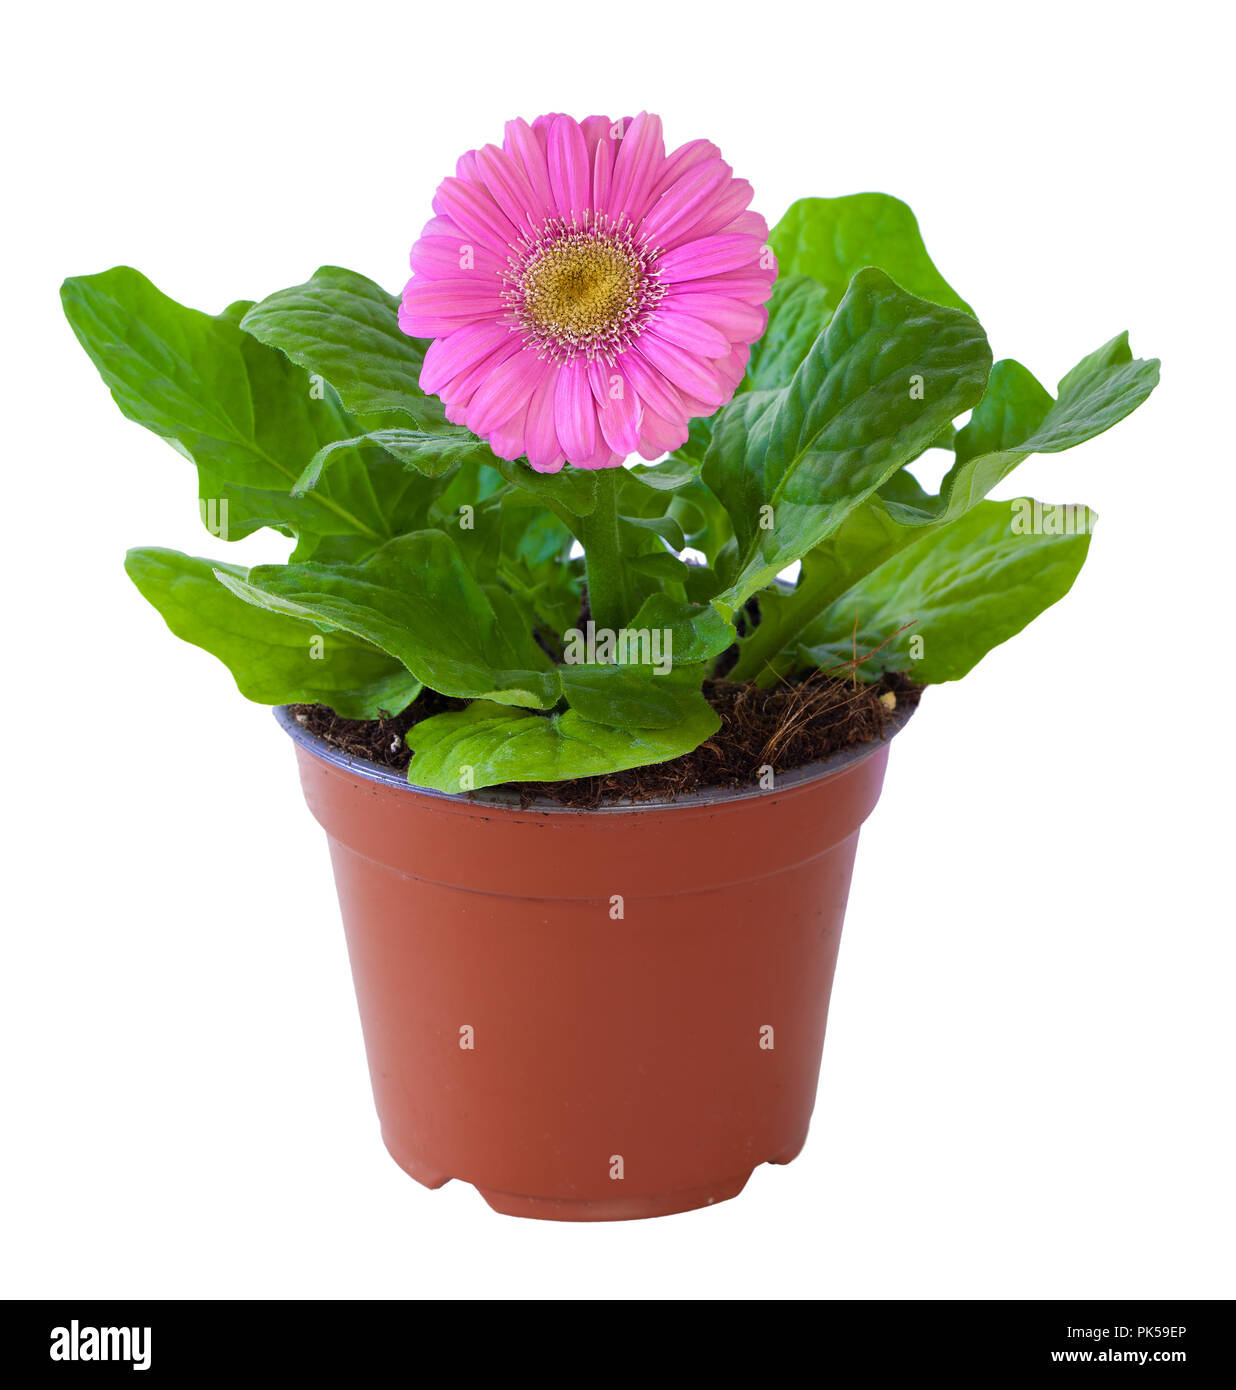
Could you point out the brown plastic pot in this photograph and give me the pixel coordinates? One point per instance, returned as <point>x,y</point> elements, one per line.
<point>592,1015</point>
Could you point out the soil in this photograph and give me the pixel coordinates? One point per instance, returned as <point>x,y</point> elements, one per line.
<point>784,728</point>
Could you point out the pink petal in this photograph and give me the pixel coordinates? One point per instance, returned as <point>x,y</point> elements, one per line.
<point>442,226</point>
<point>750,224</point>
<point>418,325</point>
<point>469,205</point>
<point>660,436</point>
<point>569,174</point>
<point>596,129</point>
<point>446,258</point>
<point>691,407</point>
<point>734,367</point>
<point>524,148</point>
<point>465,167</point>
<point>541,126</point>
<point>510,188</point>
<point>575,412</point>
<point>737,319</point>
<point>720,213</point>
<point>680,368</point>
<point>683,159</point>
<point>464,386</point>
<point>601,457</point>
<point>458,296</point>
<point>618,408</point>
<point>540,434</point>
<point>676,326</point>
<point>447,358</point>
<point>506,390</point>
<point>430,308</point>
<point>603,171</point>
<point>752,287</point>
<point>651,387</point>
<point>710,255</point>
<point>507,441</point>
<point>639,161</point>
<point>677,211</point>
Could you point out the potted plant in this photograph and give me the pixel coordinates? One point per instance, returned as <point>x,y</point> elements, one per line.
<point>592,767</point>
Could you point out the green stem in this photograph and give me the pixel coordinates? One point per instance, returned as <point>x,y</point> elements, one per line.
<point>609,595</point>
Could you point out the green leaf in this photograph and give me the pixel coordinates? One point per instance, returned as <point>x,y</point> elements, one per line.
<point>660,663</point>
<point>696,631</point>
<point>346,329</point>
<point>797,314</point>
<point>1012,408</point>
<point>243,413</point>
<point>1015,417</point>
<point>487,744</point>
<point>704,521</point>
<point>831,239</point>
<point>416,600</point>
<point>965,588</point>
<point>434,455</point>
<point>570,494</point>
<point>276,659</point>
<point>884,379</point>
<point>629,696</point>
<point>820,244</point>
<point>1017,413</point>
<point>371,477</point>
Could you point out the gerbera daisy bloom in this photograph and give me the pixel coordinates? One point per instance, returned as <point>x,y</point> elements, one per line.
<point>587,293</point>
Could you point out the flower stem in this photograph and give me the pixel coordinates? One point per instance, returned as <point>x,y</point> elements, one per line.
<point>609,592</point>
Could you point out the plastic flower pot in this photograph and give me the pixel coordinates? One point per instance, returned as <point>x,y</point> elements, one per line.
<point>592,1015</point>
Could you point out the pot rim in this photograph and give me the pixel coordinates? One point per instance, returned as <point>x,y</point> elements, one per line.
<point>498,799</point>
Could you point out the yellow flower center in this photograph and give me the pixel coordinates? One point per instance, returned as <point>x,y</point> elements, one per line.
<point>579,290</point>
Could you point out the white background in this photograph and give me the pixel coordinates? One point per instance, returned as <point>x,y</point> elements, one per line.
<point>1027,1082</point>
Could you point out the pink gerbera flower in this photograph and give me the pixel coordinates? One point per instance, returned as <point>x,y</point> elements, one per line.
<point>588,294</point>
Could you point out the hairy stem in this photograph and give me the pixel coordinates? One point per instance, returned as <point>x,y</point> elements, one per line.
<point>609,596</point>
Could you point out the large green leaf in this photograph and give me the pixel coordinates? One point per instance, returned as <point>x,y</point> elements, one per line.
<point>276,659</point>
<point>820,244</point>
<point>797,314</point>
<point>832,238</point>
<point>884,379</point>
<point>1017,413</point>
<point>346,329</point>
<point>959,590</point>
<point>486,744</point>
<point>243,413</point>
<point>1015,418</point>
<point>377,498</point>
<point>416,600</point>
<point>433,454</point>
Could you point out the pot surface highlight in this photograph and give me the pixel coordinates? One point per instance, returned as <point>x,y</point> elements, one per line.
<point>592,1015</point>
